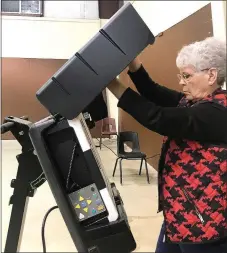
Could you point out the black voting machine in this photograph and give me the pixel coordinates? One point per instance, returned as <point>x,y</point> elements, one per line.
<point>90,205</point>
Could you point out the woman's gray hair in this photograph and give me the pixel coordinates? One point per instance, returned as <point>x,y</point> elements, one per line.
<point>206,54</point>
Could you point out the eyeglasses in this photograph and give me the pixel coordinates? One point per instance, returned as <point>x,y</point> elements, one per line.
<point>186,76</point>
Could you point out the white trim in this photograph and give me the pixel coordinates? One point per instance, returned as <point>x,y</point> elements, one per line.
<point>20,6</point>
<point>96,21</point>
<point>113,214</point>
<point>219,20</point>
<point>84,143</point>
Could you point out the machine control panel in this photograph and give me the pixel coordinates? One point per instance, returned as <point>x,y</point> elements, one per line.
<point>87,202</point>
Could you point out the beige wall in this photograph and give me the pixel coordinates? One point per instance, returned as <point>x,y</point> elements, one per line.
<point>161,15</point>
<point>45,38</point>
<point>219,19</point>
<point>224,6</point>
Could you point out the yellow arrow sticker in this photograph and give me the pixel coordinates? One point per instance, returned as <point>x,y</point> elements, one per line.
<point>89,201</point>
<point>101,207</point>
<point>81,198</point>
<point>77,206</point>
<point>86,209</point>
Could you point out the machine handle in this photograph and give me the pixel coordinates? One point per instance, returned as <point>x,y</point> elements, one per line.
<point>5,127</point>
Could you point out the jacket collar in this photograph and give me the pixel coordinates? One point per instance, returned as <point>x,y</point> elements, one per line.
<point>219,95</point>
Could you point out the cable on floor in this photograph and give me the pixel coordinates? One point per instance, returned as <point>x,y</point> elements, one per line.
<point>152,156</point>
<point>43,227</point>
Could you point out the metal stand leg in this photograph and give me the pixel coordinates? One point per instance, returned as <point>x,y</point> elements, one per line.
<point>115,166</point>
<point>141,164</point>
<point>148,179</point>
<point>29,177</point>
<point>100,142</point>
<point>121,170</point>
<point>16,225</point>
<point>19,199</point>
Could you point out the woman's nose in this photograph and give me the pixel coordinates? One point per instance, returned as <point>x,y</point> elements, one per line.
<point>182,82</point>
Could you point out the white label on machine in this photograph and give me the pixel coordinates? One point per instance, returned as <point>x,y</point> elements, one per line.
<point>86,143</point>
<point>113,214</point>
<point>76,124</point>
<point>81,216</point>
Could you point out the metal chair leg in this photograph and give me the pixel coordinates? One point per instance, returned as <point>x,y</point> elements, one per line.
<point>141,164</point>
<point>115,166</point>
<point>100,142</point>
<point>148,179</point>
<point>121,170</point>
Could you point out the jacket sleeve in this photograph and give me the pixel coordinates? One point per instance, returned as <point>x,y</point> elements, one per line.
<point>152,91</point>
<point>204,122</point>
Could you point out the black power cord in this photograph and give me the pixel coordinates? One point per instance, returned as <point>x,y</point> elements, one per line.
<point>110,149</point>
<point>43,227</point>
<point>152,156</point>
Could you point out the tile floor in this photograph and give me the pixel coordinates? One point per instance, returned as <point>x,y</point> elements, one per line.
<point>140,201</point>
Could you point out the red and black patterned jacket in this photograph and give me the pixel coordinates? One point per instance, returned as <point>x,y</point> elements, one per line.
<point>193,163</point>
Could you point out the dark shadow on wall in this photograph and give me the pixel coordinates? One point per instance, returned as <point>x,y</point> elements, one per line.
<point>160,62</point>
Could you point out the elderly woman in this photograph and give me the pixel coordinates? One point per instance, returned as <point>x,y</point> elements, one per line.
<point>193,164</point>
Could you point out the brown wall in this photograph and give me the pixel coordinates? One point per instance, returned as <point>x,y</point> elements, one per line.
<point>21,78</point>
<point>159,61</point>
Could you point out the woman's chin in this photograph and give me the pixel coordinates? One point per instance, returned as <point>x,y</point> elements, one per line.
<point>188,96</point>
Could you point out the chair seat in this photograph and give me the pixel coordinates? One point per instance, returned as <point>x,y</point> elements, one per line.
<point>132,155</point>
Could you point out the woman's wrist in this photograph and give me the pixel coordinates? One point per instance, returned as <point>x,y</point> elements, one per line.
<point>134,65</point>
<point>117,88</point>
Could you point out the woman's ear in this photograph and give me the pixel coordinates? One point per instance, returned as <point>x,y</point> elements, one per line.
<point>213,75</point>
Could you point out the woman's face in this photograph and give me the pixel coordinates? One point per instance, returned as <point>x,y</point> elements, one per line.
<point>197,85</point>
